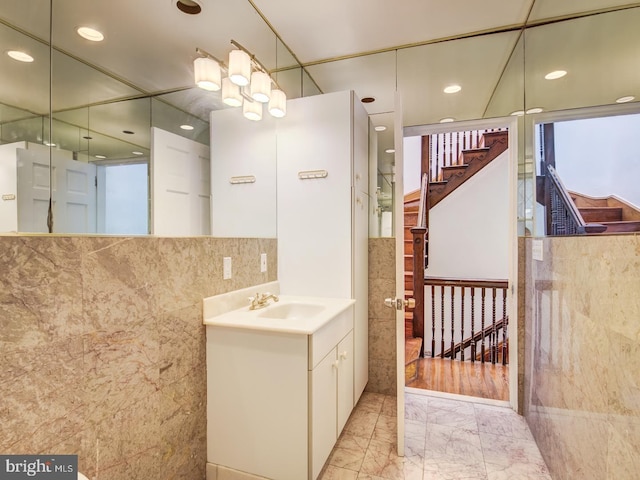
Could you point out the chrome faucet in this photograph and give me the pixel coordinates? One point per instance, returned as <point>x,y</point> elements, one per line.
<point>261,300</point>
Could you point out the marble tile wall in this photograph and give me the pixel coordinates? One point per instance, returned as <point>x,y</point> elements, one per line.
<point>103,347</point>
<point>582,349</point>
<point>382,326</point>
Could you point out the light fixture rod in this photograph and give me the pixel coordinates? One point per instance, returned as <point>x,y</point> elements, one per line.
<point>204,53</point>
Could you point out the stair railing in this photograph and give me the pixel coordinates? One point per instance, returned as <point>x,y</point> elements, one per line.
<point>565,216</point>
<point>469,319</point>
<point>445,149</point>
<point>419,236</point>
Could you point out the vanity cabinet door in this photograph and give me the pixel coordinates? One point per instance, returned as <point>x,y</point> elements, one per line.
<point>324,391</point>
<point>345,380</point>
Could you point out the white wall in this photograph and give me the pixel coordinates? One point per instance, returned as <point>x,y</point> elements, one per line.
<point>599,156</point>
<point>469,229</point>
<point>240,147</point>
<point>412,163</point>
<point>9,186</point>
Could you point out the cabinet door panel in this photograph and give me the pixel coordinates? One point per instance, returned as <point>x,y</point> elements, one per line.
<point>345,380</point>
<point>323,410</point>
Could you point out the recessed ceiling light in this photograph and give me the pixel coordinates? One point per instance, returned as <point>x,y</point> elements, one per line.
<point>517,113</point>
<point>137,153</point>
<point>90,34</point>
<point>390,150</point>
<point>452,89</point>
<point>186,127</point>
<point>628,98</point>
<point>447,120</point>
<point>20,56</point>
<point>534,110</point>
<point>380,128</point>
<point>100,156</point>
<point>190,7</point>
<point>368,100</point>
<point>128,132</point>
<point>555,74</point>
<point>88,137</point>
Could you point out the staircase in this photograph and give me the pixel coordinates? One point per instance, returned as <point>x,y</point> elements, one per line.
<point>450,166</point>
<point>614,213</point>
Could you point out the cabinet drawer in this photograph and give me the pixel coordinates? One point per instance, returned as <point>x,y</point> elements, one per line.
<point>325,339</point>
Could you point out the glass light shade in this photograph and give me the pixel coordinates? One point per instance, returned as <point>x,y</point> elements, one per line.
<point>207,73</point>
<point>231,93</point>
<point>278,103</point>
<point>260,87</point>
<point>239,67</point>
<point>252,110</point>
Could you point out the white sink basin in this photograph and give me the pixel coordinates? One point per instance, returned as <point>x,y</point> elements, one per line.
<point>292,311</point>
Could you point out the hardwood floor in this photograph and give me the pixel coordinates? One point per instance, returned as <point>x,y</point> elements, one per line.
<point>476,379</point>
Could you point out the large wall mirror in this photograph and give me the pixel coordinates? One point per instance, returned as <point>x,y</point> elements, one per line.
<point>84,124</point>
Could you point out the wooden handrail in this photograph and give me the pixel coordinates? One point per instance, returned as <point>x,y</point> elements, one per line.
<point>476,337</point>
<point>466,282</point>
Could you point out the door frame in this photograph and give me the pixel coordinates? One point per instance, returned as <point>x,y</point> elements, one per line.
<point>512,124</point>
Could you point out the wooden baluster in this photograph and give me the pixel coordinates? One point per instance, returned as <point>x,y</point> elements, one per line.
<point>442,322</point>
<point>494,333</point>
<point>441,156</point>
<point>473,324</point>
<point>453,318</point>
<point>505,323</point>
<point>462,325</point>
<point>433,320</point>
<point>482,325</point>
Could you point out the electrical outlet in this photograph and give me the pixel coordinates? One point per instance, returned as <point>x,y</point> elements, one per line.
<point>263,262</point>
<point>226,268</point>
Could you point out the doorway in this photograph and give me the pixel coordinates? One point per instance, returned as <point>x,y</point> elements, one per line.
<point>467,343</point>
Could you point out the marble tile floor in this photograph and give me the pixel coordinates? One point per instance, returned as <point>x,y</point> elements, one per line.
<point>445,439</point>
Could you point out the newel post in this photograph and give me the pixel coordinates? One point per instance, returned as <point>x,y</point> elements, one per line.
<point>418,234</point>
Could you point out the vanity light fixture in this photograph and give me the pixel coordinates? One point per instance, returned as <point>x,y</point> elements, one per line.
<point>534,110</point>
<point>628,98</point>
<point>447,120</point>
<point>555,74</point>
<point>452,89</point>
<point>247,82</point>
<point>380,128</point>
<point>20,56</point>
<point>90,34</point>
<point>186,127</point>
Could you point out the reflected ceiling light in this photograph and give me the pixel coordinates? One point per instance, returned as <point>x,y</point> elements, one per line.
<point>231,93</point>
<point>252,110</point>
<point>260,86</point>
<point>49,144</point>
<point>138,153</point>
<point>247,82</point>
<point>90,34</point>
<point>368,100</point>
<point>101,157</point>
<point>390,150</point>
<point>517,113</point>
<point>452,89</point>
<point>240,67</point>
<point>207,73</point>
<point>278,103</point>
<point>20,56</point>
<point>380,128</point>
<point>186,127</point>
<point>447,120</point>
<point>628,98</point>
<point>534,110</point>
<point>555,74</point>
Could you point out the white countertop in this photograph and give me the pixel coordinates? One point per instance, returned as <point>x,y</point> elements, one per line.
<point>254,319</point>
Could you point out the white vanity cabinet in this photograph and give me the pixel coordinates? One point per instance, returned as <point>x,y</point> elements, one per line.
<point>277,400</point>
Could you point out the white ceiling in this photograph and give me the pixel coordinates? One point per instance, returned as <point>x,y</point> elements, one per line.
<point>370,46</point>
